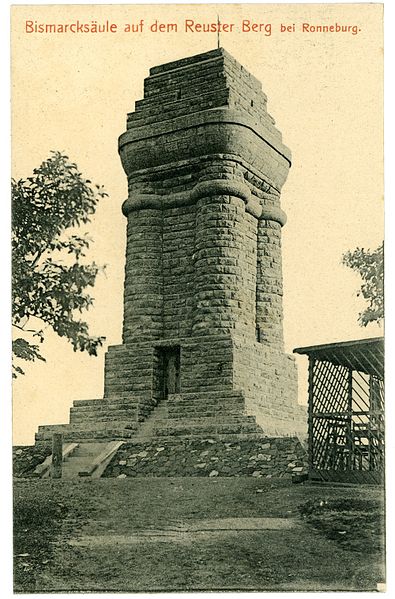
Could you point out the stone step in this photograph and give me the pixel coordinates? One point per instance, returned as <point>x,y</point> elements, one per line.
<point>159,414</point>
<point>206,401</point>
<point>100,415</point>
<point>145,404</point>
<point>108,429</point>
<point>115,409</point>
<point>192,396</point>
<point>205,429</point>
<point>190,420</point>
<point>69,473</point>
<point>233,400</point>
<point>91,436</point>
<point>88,449</point>
<point>107,401</point>
<point>105,407</point>
<point>202,410</point>
<point>59,428</point>
<point>186,400</point>
<point>72,470</point>
<point>77,461</point>
<point>163,439</point>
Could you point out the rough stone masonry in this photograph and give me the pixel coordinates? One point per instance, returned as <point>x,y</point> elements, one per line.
<point>203,315</point>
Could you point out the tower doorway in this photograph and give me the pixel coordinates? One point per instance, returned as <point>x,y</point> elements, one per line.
<point>169,364</point>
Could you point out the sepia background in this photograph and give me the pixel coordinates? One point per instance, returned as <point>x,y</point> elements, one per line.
<point>71,92</point>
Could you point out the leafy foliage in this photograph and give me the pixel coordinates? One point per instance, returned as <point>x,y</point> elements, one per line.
<point>370,265</point>
<point>49,279</point>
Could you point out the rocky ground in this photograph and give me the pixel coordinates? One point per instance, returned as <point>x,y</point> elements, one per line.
<point>281,457</point>
<point>271,457</point>
<point>26,458</point>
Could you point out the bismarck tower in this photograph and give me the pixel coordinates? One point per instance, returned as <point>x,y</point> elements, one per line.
<point>203,316</point>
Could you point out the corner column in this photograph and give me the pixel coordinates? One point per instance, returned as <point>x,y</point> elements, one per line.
<point>269,288</point>
<point>143,297</point>
<point>218,256</point>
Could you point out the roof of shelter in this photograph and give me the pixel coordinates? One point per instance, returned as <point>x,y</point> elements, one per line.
<point>365,355</point>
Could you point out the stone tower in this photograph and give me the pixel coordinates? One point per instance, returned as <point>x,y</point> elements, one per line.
<point>203,316</point>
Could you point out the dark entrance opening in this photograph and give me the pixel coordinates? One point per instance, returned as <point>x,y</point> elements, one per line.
<point>168,370</point>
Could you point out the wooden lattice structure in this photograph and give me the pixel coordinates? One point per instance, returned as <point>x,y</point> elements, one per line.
<point>346,410</point>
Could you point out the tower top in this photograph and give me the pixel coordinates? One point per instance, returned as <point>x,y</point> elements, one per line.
<point>205,81</point>
<point>214,102</point>
<point>216,54</point>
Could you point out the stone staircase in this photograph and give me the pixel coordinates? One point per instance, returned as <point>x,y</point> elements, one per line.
<point>97,425</point>
<point>82,459</point>
<point>147,430</point>
<point>97,420</point>
<point>200,414</point>
<point>182,415</point>
<point>88,459</point>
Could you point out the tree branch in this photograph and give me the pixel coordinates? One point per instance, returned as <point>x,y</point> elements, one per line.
<point>36,259</point>
<point>23,328</point>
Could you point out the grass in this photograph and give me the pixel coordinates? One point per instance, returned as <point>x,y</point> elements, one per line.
<point>306,557</point>
<point>37,521</point>
<point>355,524</point>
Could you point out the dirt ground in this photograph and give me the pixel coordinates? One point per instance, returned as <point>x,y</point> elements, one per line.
<point>190,534</point>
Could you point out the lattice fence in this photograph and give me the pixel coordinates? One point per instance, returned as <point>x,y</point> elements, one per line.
<point>346,423</point>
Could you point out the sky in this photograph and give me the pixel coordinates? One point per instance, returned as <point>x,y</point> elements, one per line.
<point>72,93</point>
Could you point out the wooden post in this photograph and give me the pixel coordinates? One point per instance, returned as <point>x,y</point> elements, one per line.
<point>57,455</point>
<point>310,413</point>
<point>350,439</point>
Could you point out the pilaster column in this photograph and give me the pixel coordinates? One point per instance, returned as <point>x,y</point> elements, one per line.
<point>218,256</point>
<point>143,298</point>
<point>269,284</point>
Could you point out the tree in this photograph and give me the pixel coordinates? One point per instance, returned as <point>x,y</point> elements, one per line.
<point>370,266</point>
<point>49,280</point>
